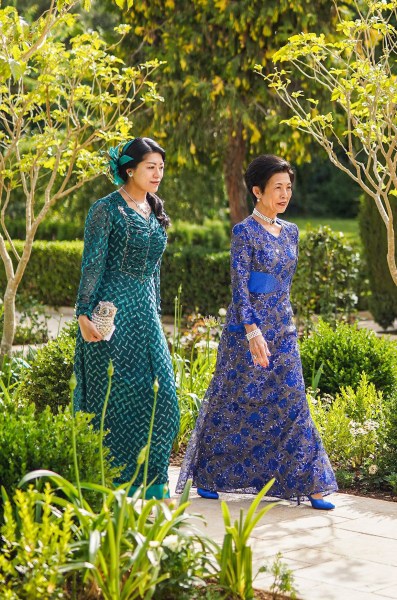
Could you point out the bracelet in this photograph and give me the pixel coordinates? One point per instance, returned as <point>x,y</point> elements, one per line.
<point>253,333</point>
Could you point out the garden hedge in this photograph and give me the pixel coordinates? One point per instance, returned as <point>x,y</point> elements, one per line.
<point>327,281</point>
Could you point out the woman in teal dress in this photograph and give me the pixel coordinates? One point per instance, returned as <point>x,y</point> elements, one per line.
<point>125,237</point>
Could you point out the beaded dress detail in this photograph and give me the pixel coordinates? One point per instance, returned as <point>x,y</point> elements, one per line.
<point>121,264</point>
<point>254,422</point>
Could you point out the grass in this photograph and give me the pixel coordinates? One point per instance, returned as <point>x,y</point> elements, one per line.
<point>348,226</point>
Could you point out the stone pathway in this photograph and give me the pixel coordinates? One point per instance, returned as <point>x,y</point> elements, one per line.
<point>347,554</point>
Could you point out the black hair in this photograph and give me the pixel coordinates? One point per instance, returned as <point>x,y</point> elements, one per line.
<point>262,168</point>
<point>137,149</point>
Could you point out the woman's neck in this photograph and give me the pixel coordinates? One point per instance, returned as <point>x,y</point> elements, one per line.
<point>134,191</point>
<point>264,210</point>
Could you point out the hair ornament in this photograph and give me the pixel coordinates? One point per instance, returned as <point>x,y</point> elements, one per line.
<point>116,159</point>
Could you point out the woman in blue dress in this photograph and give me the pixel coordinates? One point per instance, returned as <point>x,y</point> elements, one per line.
<point>254,422</point>
<point>124,240</point>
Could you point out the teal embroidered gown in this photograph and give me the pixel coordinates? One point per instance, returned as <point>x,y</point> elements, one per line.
<point>121,264</point>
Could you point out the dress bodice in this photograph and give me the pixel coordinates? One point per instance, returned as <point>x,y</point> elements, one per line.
<point>262,267</point>
<point>118,241</point>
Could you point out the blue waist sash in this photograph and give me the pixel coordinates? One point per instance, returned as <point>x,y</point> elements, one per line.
<point>262,283</point>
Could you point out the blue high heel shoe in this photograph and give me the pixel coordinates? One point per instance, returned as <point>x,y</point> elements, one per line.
<point>321,504</point>
<point>207,494</point>
<point>318,503</point>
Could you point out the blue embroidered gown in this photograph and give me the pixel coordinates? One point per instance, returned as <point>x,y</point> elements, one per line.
<point>121,264</point>
<point>254,422</point>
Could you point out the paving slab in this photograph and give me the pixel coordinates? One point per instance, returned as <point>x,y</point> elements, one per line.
<point>346,554</point>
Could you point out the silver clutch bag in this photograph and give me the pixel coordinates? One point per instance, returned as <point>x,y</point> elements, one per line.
<point>103,317</point>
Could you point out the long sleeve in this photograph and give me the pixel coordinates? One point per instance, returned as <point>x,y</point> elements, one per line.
<point>240,267</point>
<point>156,277</point>
<point>96,236</point>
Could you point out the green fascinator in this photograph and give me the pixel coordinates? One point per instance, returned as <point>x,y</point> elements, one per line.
<point>118,158</point>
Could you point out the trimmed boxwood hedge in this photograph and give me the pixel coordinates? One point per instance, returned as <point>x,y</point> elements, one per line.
<point>327,281</point>
<point>53,272</point>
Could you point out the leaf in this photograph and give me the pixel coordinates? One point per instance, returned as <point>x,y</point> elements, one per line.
<point>94,545</point>
<point>17,68</point>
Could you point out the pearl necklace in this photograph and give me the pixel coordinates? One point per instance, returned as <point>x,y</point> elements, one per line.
<point>145,209</point>
<point>264,217</point>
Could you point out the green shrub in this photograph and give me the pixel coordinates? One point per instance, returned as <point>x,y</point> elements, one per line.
<point>53,273</point>
<point>383,298</point>
<point>35,544</point>
<point>32,440</point>
<point>327,276</point>
<point>51,229</point>
<point>204,276</point>
<point>328,279</point>
<point>353,425</point>
<point>211,234</point>
<point>345,353</point>
<point>47,380</point>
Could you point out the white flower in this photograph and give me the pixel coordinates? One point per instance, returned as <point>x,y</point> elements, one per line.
<point>371,425</point>
<point>203,344</point>
<point>222,312</point>
<point>172,542</point>
<point>154,544</point>
<point>373,469</point>
<point>210,321</point>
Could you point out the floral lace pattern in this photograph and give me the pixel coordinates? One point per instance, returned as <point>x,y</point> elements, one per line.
<point>254,423</point>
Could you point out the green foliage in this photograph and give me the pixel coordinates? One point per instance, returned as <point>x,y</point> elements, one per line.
<point>204,276</point>
<point>383,298</point>
<point>46,383</point>
<point>321,190</point>
<point>31,327</point>
<point>353,425</point>
<point>347,100</point>
<point>35,544</point>
<point>53,273</point>
<point>222,94</point>
<point>119,548</point>
<point>193,359</point>
<point>211,234</point>
<point>51,229</point>
<point>235,556</point>
<point>346,352</point>
<point>327,277</point>
<point>64,96</point>
<point>31,440</point>
<point>283,578</point>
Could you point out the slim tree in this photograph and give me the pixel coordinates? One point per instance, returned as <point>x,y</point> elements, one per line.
<point>62,98</point>
<point>358,74</point>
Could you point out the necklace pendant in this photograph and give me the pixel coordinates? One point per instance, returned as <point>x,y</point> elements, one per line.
<point>142,207</point>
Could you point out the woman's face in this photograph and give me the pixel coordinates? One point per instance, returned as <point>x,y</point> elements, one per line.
<point>277,194</point>
<point>149,173</point>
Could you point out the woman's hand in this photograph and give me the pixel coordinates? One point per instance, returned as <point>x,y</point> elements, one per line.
<point>88,330</point>
<point>259,351</point>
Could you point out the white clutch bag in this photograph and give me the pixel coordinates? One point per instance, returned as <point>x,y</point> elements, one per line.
<point>103,318</point>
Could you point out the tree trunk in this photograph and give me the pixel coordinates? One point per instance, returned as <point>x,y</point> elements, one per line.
<point>9,321</point>
<point>234,178</point>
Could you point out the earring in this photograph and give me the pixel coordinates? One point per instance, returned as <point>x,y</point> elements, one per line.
<point>130,174</point>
